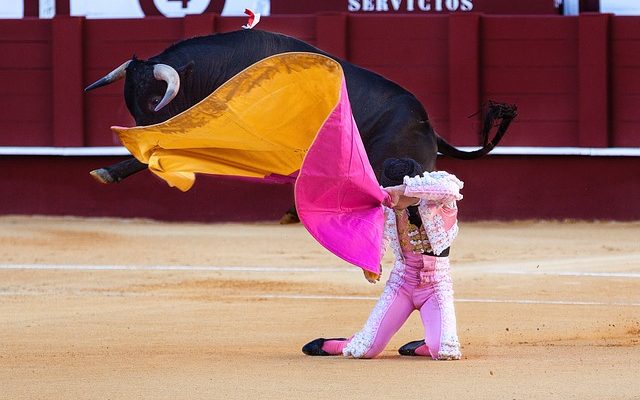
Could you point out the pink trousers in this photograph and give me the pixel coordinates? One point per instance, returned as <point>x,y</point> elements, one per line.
<point>425,287</point>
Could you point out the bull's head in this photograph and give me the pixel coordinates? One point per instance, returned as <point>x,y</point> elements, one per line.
<point>149,87</point>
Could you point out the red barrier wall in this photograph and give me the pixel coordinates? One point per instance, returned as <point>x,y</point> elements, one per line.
<point>574,79</point>
<point>625,82</point>
<point>496,188</point>
<point>26,92</point>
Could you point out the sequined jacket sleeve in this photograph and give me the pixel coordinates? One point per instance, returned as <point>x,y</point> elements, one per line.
<point>437,187</point>
<point>438,193</point>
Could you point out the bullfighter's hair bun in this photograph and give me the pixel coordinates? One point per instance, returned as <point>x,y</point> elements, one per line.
<point>395,169</point>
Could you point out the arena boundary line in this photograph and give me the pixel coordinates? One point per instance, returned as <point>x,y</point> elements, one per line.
<point>268,296</point>
<point>464,268</point>
<point>68,267</point>
<point>458,300</point>
<point>633,275</point>
<point>548,266</point>
<point>502,150</point>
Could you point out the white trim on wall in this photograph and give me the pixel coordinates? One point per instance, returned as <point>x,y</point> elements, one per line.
<point>64,151</point>
<point>562,151</point>
<point>498,151</point>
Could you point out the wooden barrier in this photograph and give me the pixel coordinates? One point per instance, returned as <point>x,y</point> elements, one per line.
<point>496,188</point>
<point>575,79</point>
<point>66,81</point>
<point>625,81</point>
<point>25,83</point>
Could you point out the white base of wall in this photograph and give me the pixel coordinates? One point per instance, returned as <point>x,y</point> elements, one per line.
<point>498,151</point>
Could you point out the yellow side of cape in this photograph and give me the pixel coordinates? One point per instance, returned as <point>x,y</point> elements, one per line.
<point>260,122</point>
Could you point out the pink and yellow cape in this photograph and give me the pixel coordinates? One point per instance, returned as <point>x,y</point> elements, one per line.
<point>286,117</point>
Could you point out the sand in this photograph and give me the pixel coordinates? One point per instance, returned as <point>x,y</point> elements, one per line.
<point>137,309</point>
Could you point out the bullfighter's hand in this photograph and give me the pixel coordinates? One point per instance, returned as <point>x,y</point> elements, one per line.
<point>394,194</point>
<point>398,199</point>
<point>372,277</point>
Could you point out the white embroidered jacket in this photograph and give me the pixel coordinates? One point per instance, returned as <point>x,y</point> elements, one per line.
<point>438,192</point>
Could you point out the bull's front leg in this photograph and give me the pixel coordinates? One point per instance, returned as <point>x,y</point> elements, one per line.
<point>290,217</point>
<point>117,172</point>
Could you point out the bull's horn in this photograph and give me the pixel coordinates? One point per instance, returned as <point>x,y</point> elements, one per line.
<point>163,72</point>
<point>111,77</point>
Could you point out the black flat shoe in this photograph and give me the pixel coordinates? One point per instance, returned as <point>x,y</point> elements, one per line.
<point>409,349</point>
<point>314,347</point>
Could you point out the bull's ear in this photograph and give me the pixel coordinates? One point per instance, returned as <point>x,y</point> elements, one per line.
<point>186,69</point>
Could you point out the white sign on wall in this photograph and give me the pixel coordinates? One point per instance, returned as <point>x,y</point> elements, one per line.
<point>620,7</point>
<point>11,9</point>
<point>409,5</point>
<point>180,8</point>
<point>236,8</point>
<point>14,9</point>
<point>47,8</point>
<point>106,9</point>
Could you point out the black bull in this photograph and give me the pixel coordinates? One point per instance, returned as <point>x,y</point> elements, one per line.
<point>392,122</point>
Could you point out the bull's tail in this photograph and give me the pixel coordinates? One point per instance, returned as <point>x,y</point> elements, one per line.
<point>499,115</point>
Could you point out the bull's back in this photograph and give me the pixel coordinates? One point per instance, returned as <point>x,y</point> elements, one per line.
<point>227,54</point>
<point>384,111</point>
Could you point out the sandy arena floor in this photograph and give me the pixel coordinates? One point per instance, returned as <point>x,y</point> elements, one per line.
<point>131,309</point>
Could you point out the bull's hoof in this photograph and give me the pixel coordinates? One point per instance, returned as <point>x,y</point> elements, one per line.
<point>289,218</point>
<point>102,175</point>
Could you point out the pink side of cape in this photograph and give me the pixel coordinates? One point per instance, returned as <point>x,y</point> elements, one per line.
<point>338,198</point>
